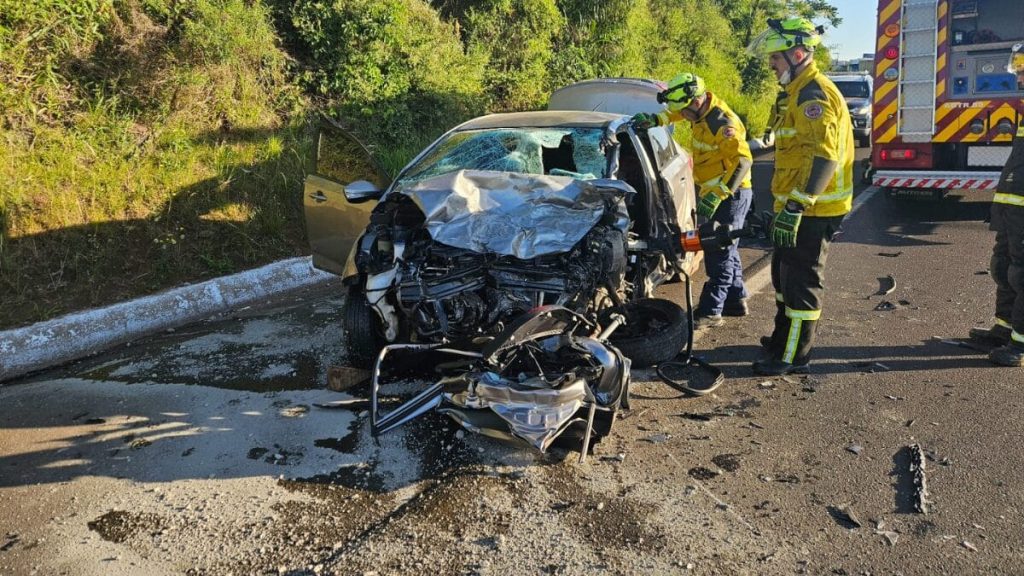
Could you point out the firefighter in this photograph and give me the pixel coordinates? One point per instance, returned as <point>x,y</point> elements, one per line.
<point>721,169</point>
<point>1008,254</point>
<point>812,187</point>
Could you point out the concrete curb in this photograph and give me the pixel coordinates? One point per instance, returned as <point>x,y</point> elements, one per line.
<point>80,334</point>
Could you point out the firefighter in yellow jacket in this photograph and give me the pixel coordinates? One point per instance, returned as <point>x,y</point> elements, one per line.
<point>812,186</point>
<point>721,169</point>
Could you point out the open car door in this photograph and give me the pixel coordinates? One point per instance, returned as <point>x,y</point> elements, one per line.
<point>339,196</point>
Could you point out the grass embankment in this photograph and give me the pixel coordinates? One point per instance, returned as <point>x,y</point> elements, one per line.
<point>142,148</point>
<point>147,143</point>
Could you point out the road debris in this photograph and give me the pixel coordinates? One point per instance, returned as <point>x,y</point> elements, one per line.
<point>965,344</point>
<point>855,448</point>
<point>890,537</point>
<point>885,306</point>
<point>702,473</point>
<point>727,462</point>
<point>969,546</point>
<point>341,378</point>
<point>348,404</point>
<point>844,515</point>
<point>891,254</point>
<point>872,367</point>
<point>701,416</point>
<point>921,503</point>
<point>886,285</point>
<point>297,411</point>
<point>658,438</point>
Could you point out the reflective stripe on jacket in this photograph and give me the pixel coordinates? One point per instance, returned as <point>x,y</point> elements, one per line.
<point>719,141</point>
<point>813,121</point>
<point>1011,182</point>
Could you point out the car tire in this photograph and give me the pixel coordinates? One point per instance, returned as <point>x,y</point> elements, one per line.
<point>362,336</point>
<point>655,332</point>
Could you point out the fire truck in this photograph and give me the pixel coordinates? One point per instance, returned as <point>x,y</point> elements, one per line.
<point>945,108</point>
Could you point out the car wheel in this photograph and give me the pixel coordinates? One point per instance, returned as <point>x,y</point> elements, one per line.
<point>363,337</point>
<point>655,331</point>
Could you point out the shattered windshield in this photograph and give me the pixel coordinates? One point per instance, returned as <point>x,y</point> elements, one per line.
<point>574,152</point>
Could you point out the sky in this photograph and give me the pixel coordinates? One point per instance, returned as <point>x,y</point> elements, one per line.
<point>856,35</point>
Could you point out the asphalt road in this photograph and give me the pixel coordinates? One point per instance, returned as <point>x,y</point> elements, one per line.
<point>209,451</point>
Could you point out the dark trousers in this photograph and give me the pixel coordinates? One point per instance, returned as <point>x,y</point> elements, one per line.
<point>723,267</point>
<point>798,275</point>
<point>1008,264</point>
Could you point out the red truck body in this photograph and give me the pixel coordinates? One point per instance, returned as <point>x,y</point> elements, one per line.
<point>944,106</point>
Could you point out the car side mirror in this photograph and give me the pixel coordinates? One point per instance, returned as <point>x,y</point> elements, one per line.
<point>361,191</point>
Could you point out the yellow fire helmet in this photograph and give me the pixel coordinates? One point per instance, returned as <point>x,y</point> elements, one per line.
<point>681,91</point>
<point>1016,63</point>
<point>786,33</point>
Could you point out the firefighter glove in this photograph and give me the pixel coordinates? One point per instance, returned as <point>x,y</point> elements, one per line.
<point>785,226</point>
<point>643,121</point>
<point>710,198</point>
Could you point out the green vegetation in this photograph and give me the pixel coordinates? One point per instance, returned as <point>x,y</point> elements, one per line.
<point>147,143</point>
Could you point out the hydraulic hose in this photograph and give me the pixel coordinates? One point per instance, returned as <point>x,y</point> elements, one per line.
<point>685,360</point>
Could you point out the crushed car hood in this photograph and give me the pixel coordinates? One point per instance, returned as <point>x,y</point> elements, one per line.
<point>514,214</point>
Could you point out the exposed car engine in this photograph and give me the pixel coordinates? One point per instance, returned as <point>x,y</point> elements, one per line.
<point>436,292</point>
<point>452,293</point>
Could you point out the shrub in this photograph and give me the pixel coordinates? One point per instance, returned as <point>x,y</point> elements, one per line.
<point>514,38</point>
<point>392,69</point>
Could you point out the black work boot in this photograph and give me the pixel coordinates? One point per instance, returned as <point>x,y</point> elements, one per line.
<point>774,367</point>
<point>997,334</point>
<point>1011,354</point>
<point>736,308</point>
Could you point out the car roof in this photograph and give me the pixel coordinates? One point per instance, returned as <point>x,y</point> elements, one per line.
<point>541,119</point>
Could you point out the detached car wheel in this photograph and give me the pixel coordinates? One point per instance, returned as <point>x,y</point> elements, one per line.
<point>655,331</point>
<point>363,336</point>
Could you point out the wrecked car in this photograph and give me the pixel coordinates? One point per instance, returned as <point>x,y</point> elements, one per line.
<point>548,377</point>
<point>504,214</point>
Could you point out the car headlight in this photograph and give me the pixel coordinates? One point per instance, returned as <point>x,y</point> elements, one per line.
<point>862,111</point>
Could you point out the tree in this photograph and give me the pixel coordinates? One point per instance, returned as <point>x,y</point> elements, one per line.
<point>749,16</point>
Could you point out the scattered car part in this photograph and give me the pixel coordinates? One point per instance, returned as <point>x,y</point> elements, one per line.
<point>845,514</point>
<point>341,378</point>
<point>886,284</point>
<point>968,344</point>
<point>546,373</point>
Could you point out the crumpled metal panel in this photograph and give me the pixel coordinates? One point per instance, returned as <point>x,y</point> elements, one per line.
<point>533,409</point>
<point>512,214</point>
